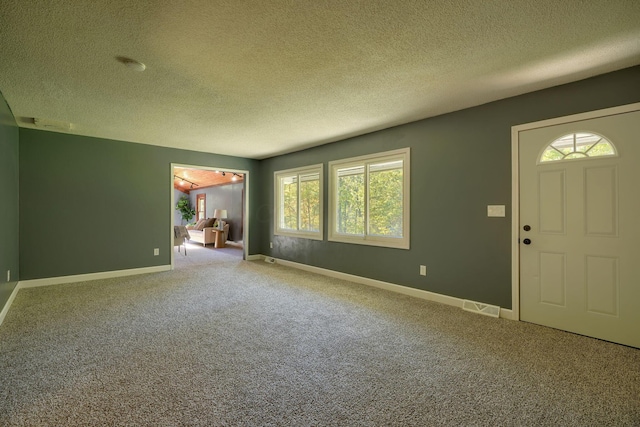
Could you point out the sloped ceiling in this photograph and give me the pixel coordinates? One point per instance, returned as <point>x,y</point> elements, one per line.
<point>188,179</point>
<point>259,78</point>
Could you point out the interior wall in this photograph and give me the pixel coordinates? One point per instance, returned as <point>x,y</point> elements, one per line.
<point>227,197</point>
<point>9,193</point>
<point>460,163</point>
<point>90,205</point>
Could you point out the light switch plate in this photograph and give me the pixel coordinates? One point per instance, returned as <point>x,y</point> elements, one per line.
<point>496,210</point>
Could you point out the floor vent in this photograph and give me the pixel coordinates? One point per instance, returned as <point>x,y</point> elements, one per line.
<point>478,307</point>
<point>270,260</point>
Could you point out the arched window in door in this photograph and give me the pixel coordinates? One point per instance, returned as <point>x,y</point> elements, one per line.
<point>579,145</point>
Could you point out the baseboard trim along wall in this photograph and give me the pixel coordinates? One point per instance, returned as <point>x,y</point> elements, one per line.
<point>91,276</point>
<point>255,257</point>
<point>5,310</point>
<point>34,283</point>
<point>405,290</point>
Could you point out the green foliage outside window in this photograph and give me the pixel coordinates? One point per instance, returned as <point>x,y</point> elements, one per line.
<point>577,146</point>
<point>384,204</point>
<point>290,201</point>
<point>300,202</point>
<point>310,204</point>
<point>351,204</point>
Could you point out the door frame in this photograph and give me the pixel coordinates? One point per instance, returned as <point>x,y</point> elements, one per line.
<point>198,197</point>
<point>245,216</point>
<point>515,185</point>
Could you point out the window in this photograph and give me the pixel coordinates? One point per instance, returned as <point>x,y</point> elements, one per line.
<point>298,202</point>
<point>577,146</point>
<point>369,200</point>
<point>201,206</point>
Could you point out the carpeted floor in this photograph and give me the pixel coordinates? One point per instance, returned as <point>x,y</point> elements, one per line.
<point>224,342</point>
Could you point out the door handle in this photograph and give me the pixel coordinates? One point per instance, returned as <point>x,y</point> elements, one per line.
<point>527,241</point>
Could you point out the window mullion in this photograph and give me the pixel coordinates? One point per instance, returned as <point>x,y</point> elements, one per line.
<point>298,200</point>
<point>366,200</point>
<point>281,202</point>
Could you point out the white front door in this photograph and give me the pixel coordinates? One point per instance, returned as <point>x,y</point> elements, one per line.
<point>580,264</point>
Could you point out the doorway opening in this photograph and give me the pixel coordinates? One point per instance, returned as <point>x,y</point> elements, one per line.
<point>219,198</point>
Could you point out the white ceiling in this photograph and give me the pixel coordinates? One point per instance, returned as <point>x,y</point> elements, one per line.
<point>257,78</point>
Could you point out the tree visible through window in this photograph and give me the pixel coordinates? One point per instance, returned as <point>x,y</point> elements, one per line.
<point>370,200</point>
<point>385,199</point>
<point>299,202</point>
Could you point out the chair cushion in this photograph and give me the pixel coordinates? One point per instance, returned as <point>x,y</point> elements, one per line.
<point>200,224</point>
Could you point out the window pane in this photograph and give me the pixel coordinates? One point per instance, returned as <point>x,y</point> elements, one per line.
<point>385,199</point>
<point>289,191</point>
<point>310,202</point>
<point>564,144</point>
<point>550,155</point>
<point>350,201</point>
<point>603,148</point>
<point>577,146</point>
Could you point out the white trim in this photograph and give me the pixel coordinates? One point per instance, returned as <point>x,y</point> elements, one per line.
<point>255,257</point>
<point>515,185</point>
<point>277,231</point>
<point>405,290</point>
<point>515,225</point>
<point>34,283</point>
<point>7,305</point>
<point>245,214</point>
<point>404,242</point>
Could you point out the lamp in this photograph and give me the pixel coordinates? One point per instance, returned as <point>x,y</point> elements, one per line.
<point>220,214</point>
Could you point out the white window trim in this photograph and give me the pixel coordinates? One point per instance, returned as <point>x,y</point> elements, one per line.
<point>389,242</point>
<point>314,235</point>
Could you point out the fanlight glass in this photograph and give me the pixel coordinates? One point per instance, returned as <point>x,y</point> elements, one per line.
<point>577,146</point>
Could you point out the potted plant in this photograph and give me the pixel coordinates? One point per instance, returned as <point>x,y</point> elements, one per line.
<point>184,206</point>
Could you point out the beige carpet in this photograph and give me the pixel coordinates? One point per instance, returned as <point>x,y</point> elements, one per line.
<point>224,342</point>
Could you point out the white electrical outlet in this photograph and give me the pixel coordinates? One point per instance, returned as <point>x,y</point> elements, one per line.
<point>156,252</point>
<point>8,275</point>
<point>423,270</point>
<point>271,245</point>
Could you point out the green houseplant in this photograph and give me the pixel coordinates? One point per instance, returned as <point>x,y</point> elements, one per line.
<point>184,206</point>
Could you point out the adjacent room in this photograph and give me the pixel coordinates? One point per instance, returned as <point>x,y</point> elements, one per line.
<point>323,213</point>
<point>209,204</point>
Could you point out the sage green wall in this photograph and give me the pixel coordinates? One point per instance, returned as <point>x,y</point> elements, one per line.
<point>8,202</point>
<point>90,205</point>
<point>460,163</point>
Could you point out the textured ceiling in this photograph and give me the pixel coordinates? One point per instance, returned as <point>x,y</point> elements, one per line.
<point>258,78</point>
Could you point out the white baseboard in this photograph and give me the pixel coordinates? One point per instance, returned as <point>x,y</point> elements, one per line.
<point>34,283</point>
<point>5,310</point>
<point>90,276</point>
<point>255,257</point>
<point>405,290</point>
<point>506,313</point>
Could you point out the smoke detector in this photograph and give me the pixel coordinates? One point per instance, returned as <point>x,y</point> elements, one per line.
<point>48,124</point>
